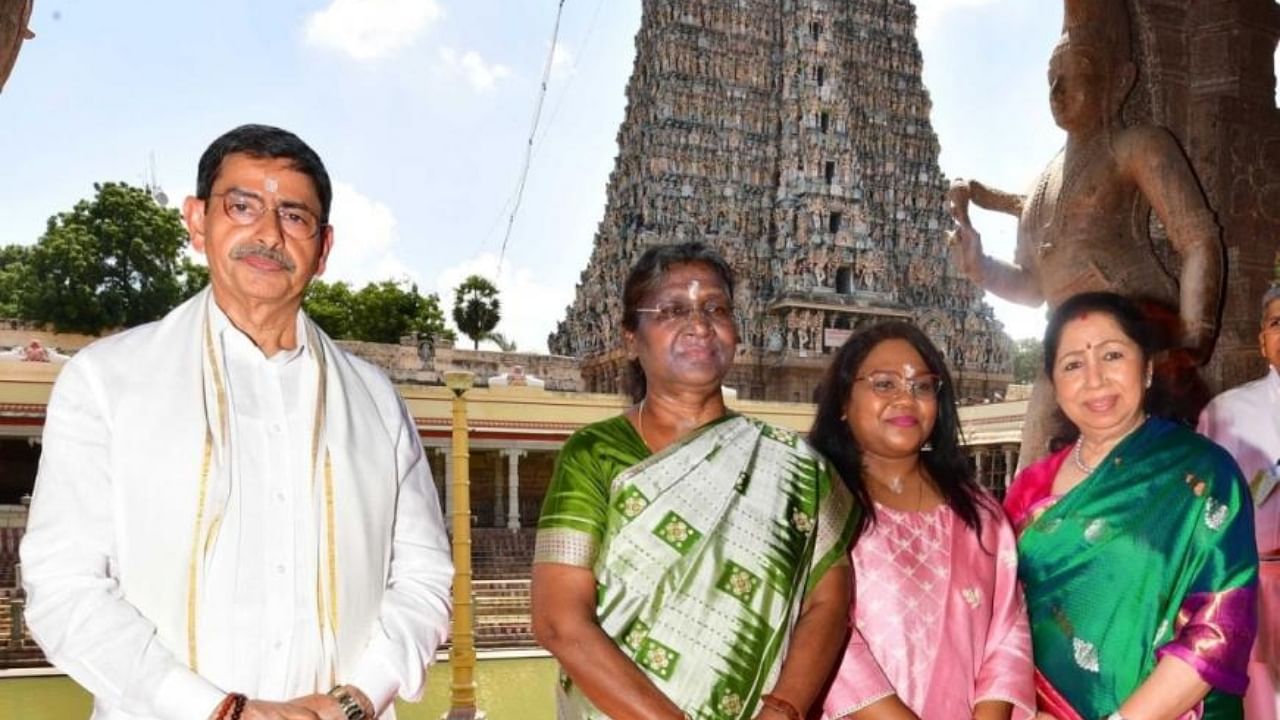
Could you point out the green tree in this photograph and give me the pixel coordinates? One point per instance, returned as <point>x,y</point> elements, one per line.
<point>330,306</point>
<point>504,343</point>
<point>112,261</point>
<point>193,277</point>
<point>476,310</point>
<point>14,268</point>
<point>1028,358</point>
<point>380,312</point>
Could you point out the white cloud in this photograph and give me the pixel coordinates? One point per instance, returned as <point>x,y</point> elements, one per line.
<point>529,308</point>
<point>563,61</point>
<point>479,74</point>
<point>370,29</point>
<point>930,13</point>
<point>365,241</point>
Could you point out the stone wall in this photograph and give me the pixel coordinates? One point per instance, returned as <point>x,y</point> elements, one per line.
<point>414,364</point>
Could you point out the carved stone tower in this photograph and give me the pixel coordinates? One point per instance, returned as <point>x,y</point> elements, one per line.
<point>794,136</point>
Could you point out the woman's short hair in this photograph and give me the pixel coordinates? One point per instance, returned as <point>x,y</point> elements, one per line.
<point>947,463</point>
<point>647,275</point>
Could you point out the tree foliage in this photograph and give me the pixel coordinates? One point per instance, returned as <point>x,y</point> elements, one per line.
<point>476,310</point>
<point>116,260</point>
<point>1028,359</point>
<point>13,278</point>
<point>380,312</point>
<point>111,261</point>
<point>504,343</point>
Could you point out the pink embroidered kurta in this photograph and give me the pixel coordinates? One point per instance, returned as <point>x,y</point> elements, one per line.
<point>937,619</point>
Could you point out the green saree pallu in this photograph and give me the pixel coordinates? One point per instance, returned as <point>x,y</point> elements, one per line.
<point>1151,555</point>
<point>702,553</point>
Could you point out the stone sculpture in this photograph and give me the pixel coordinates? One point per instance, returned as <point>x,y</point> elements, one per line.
<point>1084,224</point>
<point>14,17</point>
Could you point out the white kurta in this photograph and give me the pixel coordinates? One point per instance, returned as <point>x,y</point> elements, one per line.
<point>112,516</point>
<point>1246,421</point>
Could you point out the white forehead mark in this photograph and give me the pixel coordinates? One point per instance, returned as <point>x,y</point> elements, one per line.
<point>694,286</point>
<point>272,184</point>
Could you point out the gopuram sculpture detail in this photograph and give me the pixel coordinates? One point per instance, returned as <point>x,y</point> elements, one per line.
<point>795,137</point>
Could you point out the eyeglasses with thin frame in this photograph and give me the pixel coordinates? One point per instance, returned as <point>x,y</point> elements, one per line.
<point>243,208</point>
<point>718,313</point>
<point>889,385</point>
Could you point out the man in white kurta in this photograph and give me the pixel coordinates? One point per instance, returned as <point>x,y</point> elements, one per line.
<point>228,504</point>
<point>1246,421</point>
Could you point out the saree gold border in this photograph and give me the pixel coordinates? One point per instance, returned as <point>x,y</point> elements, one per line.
<point>192,653</point>
<point>328,610</point>
<point>201,496</point>
<point>331,565</point>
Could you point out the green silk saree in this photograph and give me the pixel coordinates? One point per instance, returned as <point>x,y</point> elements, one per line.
<point>702,553</point>
<point>1151,555</point>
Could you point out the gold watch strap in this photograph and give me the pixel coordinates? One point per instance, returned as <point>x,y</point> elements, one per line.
<point>350,708</point>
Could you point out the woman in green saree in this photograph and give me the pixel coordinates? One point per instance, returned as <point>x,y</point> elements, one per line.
<point>690,562</point>
<point>1135,543</point>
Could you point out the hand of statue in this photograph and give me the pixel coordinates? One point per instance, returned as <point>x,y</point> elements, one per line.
<point>1197,346</point>
<point>966,251</point>
<point>958,197</point>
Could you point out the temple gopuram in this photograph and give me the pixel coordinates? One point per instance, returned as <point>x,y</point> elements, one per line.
<point>795,138</point>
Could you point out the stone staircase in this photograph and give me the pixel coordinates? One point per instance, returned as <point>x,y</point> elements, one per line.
<point>502,563</point>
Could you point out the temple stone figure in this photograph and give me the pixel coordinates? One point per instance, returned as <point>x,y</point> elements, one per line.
<point>14,16</point>
<point>1083,226</point>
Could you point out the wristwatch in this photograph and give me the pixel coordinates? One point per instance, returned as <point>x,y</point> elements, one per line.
<point>350,708</point>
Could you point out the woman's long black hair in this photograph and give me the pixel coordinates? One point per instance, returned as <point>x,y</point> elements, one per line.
<point>947,465</point>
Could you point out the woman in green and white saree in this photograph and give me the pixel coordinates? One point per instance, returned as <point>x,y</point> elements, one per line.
<point>690,562</point>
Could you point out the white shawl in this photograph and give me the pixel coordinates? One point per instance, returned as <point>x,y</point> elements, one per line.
<point>161,493</point>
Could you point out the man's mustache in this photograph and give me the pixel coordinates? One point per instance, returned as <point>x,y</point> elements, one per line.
<point>244,250</point>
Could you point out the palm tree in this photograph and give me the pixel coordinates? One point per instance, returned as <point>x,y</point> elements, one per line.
<point>476,308</point>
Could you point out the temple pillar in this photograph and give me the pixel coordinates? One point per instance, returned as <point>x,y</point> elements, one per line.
<point>499,497</point>
<point>513,487</point>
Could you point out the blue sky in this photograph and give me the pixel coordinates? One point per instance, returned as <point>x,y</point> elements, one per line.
<point>421,110</point>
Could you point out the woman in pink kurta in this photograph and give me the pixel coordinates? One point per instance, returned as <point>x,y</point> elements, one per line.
<point>938,628</point>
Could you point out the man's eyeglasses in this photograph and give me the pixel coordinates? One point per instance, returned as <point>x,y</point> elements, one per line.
<point>243,208</point>
<point>717,313</point>
<point>891,384</point>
